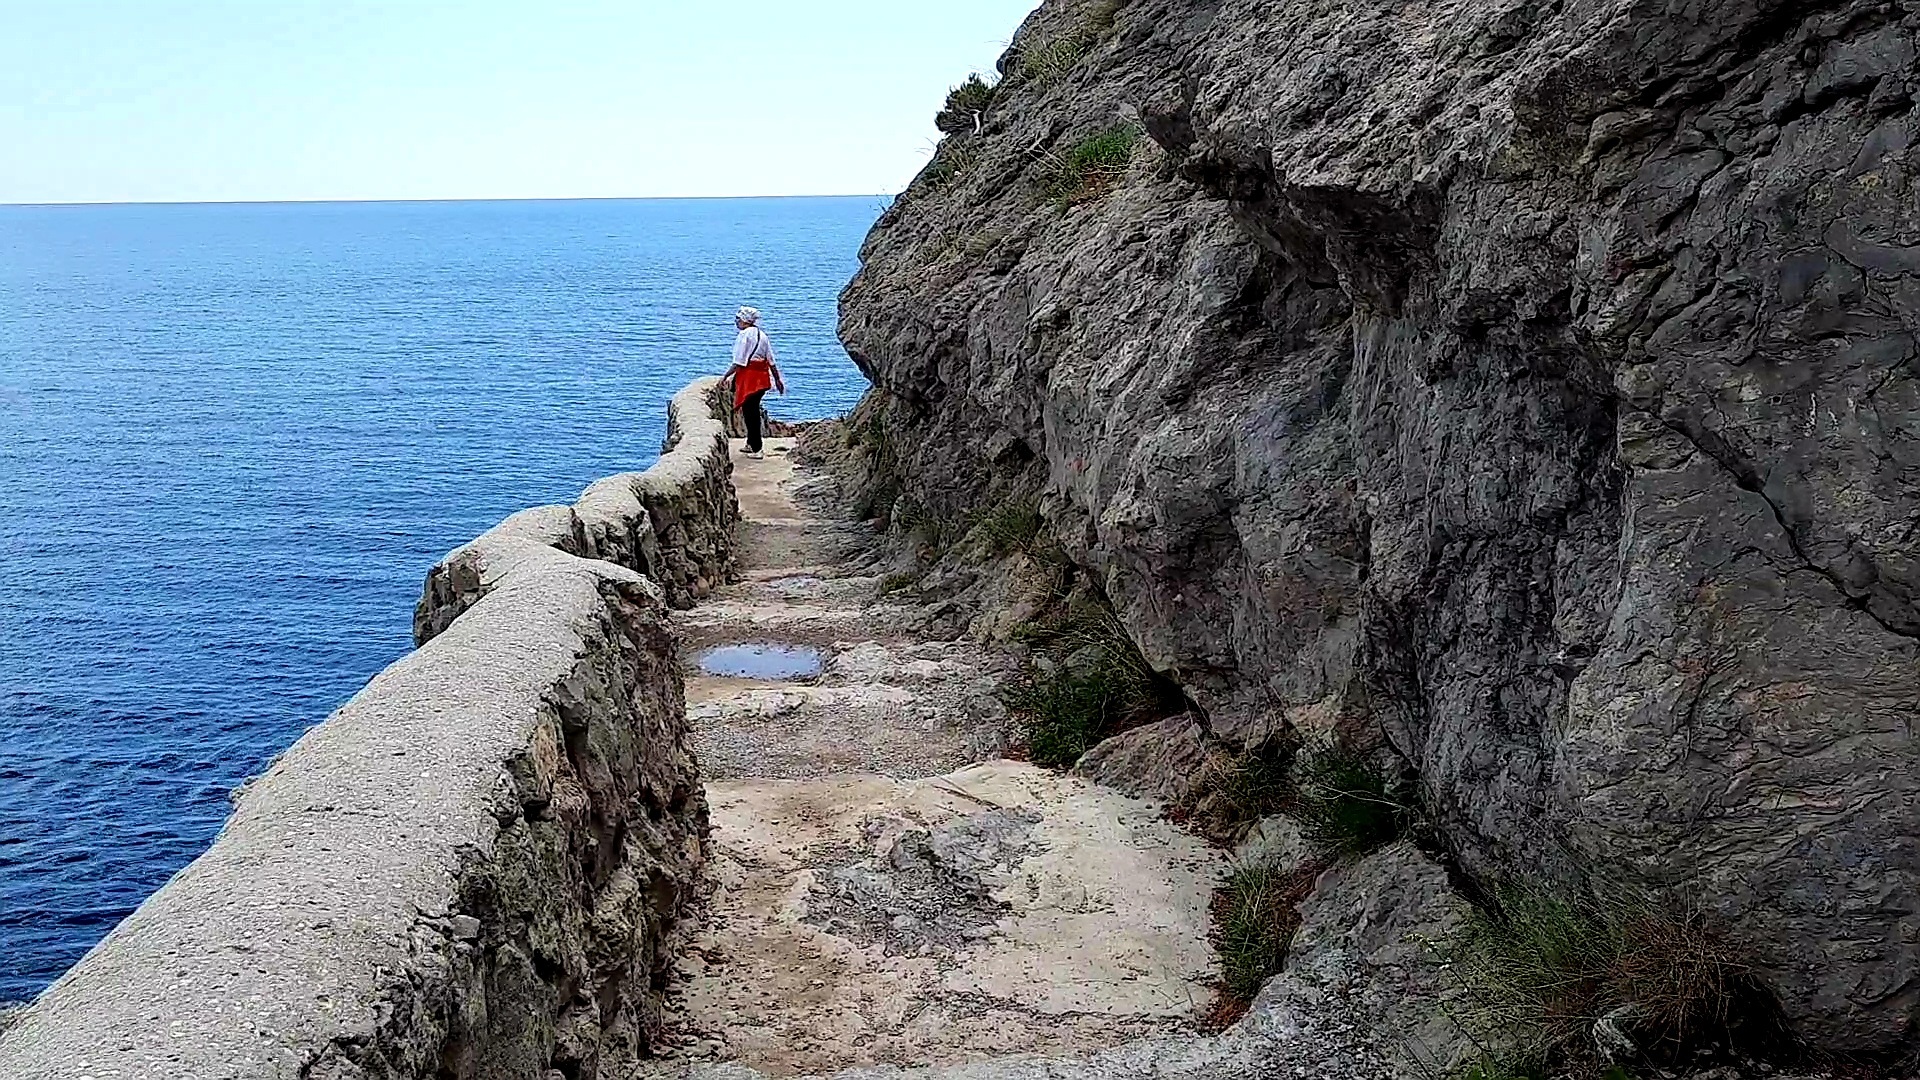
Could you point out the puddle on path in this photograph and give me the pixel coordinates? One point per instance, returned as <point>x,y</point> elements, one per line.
<point>795,584</point>
<point>761,660</point>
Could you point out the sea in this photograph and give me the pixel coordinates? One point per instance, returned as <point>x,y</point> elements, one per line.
<point>233,438</point>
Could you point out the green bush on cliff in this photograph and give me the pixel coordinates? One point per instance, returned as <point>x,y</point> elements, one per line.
<point>1062,716</point>
<point>966,107</point>
<point>878,492</point>
<point>935,530</point>
<point>1012,526</point>
<point>1085,625</point>
<point>1015,526</point>
<point>1094,684</point>
<point>1090,167</point>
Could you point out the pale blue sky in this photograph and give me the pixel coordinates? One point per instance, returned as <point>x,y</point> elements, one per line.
<point>165,100</point>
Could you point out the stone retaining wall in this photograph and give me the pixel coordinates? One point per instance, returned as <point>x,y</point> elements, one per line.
<point>674,522</point>
<point>475,867</point>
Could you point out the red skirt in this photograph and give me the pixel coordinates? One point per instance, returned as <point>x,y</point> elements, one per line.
<point>752,379</point>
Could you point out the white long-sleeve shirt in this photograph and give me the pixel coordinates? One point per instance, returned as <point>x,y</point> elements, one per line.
<point>753,342</point>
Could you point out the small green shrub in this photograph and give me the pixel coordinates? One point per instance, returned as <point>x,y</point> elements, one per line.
<point>880,493</point>
<point>934,529</point>
<point>1061,717</point>
<point>898,582</point>
<point>1098,685</point>
<point>1090,167</point>
<point>1542,970</point>
<point>1047,62</point>
<point>1012,526</point>
<point>1087,625</point>
<point>966,107</point>
<point>1256,914</point>
<point>1345,807</point>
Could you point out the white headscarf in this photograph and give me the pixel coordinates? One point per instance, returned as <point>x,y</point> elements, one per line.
<point>748,315</point>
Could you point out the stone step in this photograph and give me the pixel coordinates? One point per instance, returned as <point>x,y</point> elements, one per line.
<point>880,894</point>
<point>1000,908</point>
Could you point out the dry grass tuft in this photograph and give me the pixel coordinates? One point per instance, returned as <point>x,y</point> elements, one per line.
<point>1255,915</point>
<point>1047,62</point>
<point>1543,972</point>
<point>1345,805</point>
<point>954,160</point>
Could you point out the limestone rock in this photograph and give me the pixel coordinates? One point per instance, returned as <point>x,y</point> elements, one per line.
<point>1533,383</point>
<point>1371,942</point>
<point>1274,841</point>
<point>1163,760</point>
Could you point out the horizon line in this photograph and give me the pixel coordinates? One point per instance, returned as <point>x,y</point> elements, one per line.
<point>454,199</point>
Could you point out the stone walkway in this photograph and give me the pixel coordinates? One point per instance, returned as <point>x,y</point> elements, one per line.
<point>880,894</point>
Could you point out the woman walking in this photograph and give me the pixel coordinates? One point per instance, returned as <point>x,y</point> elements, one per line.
<point>753,371</point>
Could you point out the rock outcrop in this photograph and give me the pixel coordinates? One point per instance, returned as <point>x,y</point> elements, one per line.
<point>475,868</point>
<point>1528,384</point>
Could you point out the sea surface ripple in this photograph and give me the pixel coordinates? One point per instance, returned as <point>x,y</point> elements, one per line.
<point>234,437</point>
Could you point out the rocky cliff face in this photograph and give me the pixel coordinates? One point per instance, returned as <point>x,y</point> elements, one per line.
<point>1527,384</point>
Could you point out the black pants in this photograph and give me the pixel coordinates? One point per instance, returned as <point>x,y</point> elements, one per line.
<point>751,410</point>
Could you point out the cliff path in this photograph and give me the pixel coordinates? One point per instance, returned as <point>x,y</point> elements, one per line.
<point>882,896</point>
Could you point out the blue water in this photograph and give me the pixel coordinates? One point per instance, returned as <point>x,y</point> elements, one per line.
<point>234,437</point>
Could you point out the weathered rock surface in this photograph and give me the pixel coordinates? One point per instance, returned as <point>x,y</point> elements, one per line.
<point>474,869</point>
<point>1266,1044</point>
<point>1371,945</point>
<point>1165,760</point>
<point>1531,383</point>
<point>995,911</point>
<point>887,699</point>
<point>1276,841</point>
